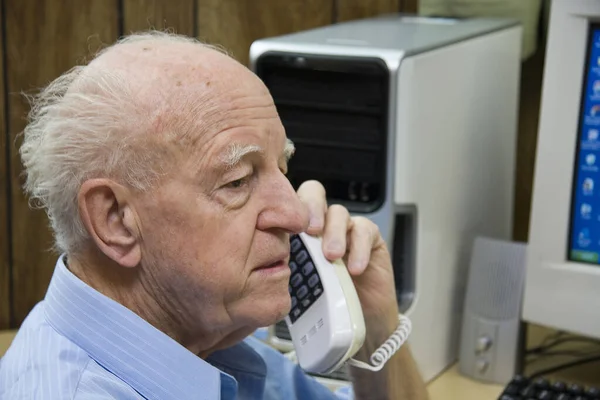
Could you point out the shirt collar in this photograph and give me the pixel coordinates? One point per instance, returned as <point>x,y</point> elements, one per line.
<point>128,346</point>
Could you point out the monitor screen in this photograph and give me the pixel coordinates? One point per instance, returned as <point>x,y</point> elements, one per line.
<point>584,235</point>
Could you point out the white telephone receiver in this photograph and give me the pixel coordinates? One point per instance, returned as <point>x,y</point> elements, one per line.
<point>326,322</point>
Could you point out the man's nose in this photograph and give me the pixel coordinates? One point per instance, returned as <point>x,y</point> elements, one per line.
<point>284,209</point>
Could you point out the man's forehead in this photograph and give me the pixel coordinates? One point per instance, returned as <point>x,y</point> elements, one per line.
<point>162,57</point>
<point>166,70</point>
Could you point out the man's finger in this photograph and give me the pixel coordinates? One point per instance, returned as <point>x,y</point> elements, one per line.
<point>362,238</point>
<point>336,229</point>
<point>312,193</point>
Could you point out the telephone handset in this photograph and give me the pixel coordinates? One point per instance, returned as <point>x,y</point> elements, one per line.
<point>326,322</point>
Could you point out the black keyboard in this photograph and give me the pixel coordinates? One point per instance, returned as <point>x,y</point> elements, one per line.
<point>522,388</point>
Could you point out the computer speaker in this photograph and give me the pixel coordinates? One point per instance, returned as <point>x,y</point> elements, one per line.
<point>492,334</point>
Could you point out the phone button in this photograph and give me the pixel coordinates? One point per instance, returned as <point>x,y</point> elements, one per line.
<point>302,257</point>
<point>302,292</point>
<point>296,280</point>
<point>296,312</point>
<point>313,280</point>
<point>317,291</point>
<point>308,268</point>
<point>296,244</point>
<point>293,266</point>
<point>294,302</point>
<point>306,302</point>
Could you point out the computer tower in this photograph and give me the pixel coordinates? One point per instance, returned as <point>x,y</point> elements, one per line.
<point>410,122</point>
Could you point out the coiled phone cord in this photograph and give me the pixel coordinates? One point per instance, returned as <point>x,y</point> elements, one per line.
<point>387,349</point>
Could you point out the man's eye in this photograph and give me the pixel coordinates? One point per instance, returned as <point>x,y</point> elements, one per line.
<point>238,183</point>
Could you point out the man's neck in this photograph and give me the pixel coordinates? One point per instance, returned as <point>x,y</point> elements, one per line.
<point>126,287</point>
<point>130,288</point>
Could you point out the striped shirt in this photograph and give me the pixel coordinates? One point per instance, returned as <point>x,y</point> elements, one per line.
<point>80,344</point>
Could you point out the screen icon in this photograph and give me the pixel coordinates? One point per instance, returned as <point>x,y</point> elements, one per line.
<point>586,211</point>
<point>584,237</point>
<point>593,135</point>
<point>595,110</point>
<point>588,186</point>
<point>596,87</point>
<point>590,159</point>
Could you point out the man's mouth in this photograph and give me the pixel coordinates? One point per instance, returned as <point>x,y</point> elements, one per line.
<point>276,264</point>
<point>279,263</point>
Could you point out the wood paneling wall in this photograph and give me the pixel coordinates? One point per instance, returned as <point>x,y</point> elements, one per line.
<point>237,23</point>
<point>352,9</point>
<point>5,292</point>
<point>45,38</point>
<point>529,109</point>
<point>178,15</point>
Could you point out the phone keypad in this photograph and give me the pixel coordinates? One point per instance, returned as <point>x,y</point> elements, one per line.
<point>305,284</point>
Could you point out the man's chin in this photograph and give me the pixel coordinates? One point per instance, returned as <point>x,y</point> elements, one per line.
<point>282,314</point>
<point>276,311</point>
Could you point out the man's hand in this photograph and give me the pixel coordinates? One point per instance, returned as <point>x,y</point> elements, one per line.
<point>358,242</point>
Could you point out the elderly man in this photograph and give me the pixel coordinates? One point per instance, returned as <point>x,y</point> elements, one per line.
<point>161,165</point>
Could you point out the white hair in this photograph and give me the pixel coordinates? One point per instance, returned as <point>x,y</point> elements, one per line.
<point>80,127</point>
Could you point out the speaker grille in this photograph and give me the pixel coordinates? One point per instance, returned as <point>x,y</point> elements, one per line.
<point>496,278</point>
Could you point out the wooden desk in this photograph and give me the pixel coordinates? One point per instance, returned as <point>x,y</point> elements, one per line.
<point>453,386</point>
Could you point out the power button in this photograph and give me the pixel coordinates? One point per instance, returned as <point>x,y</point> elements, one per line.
<point>483,344</point>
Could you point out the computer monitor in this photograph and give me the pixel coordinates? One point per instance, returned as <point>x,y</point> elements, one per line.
<point>562,287</point>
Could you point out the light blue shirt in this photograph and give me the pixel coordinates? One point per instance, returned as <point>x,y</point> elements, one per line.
<point>80,344</point>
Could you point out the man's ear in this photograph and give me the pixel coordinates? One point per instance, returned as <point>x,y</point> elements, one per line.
<point>108,214</point>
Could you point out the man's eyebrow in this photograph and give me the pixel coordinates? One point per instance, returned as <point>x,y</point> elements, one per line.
<point>235,152</point>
